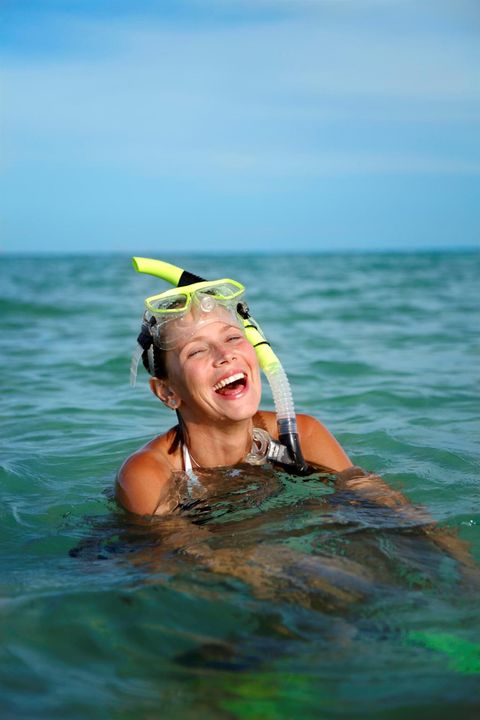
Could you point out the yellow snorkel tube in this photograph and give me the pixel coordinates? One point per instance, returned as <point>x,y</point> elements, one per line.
<point>292,458</point>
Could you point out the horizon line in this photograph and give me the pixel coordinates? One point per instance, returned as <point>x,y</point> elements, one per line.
<point>243,253</point>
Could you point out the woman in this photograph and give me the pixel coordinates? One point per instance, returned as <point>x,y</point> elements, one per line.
<point>204,367</point>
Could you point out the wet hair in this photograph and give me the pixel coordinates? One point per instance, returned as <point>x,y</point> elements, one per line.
<point>159,371</point>
<point>154,359</point>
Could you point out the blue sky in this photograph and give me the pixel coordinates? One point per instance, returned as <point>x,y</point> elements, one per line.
<point>239,125</point>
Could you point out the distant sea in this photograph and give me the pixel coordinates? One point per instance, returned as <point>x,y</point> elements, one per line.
<point>273,598</point>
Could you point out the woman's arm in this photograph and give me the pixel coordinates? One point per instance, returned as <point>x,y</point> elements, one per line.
<point>372,488</point>
<point>321,448</point>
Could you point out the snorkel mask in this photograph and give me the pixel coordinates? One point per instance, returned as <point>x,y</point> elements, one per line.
<point>196,302</point>
<point>194,294</point>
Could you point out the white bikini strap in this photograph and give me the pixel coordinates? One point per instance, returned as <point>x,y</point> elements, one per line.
<point>187,462</point>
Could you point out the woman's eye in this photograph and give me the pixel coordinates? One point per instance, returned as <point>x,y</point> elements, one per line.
<point>232,338</point>
<point>195,351</point>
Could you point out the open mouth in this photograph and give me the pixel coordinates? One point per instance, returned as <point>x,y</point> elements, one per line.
<point>231,385</point>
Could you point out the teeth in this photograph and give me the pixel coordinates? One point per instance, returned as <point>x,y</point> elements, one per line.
<point>228,380</point>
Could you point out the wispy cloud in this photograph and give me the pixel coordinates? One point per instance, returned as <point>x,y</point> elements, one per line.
<point>241,93</point>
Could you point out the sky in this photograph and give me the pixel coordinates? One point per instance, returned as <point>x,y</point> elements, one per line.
<point>140,126</point>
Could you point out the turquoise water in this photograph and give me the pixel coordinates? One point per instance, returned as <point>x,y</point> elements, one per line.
<point>272,597</point>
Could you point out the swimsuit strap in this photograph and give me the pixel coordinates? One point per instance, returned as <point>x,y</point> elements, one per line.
<point>187,461</point>
<point>193,483</point>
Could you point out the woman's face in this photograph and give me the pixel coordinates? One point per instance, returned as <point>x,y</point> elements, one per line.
<point>213,370</point>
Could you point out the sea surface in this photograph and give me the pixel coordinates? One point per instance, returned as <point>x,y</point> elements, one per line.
<point>272,597</point>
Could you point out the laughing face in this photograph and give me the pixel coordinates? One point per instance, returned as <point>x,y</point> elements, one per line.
<point>213,370</point>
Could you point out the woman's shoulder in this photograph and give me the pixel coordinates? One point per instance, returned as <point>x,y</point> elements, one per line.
<point>144,478</point>
<point>318,444</point>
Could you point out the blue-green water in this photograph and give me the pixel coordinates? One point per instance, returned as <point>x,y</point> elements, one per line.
<point>275,598</point>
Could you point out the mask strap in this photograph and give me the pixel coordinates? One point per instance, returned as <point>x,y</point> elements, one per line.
<point>137,354</point>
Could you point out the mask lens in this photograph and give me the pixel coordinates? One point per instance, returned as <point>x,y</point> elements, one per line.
<point>227,291</point>
<point>168,304</point>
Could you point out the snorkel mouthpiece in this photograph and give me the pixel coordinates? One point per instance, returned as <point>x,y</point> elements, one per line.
<point>291,457</point>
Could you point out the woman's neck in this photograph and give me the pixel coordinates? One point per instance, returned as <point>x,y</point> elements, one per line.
<point>218,445</point>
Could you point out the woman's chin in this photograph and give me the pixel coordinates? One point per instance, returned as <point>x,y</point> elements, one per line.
<point>239,408</point>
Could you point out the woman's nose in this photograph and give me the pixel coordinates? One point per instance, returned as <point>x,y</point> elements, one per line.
<point>222,354</point>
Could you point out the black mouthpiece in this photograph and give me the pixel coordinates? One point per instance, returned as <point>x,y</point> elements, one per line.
<point>298,466</point>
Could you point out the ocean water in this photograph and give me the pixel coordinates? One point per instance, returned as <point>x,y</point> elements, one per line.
<point>272,597</point>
